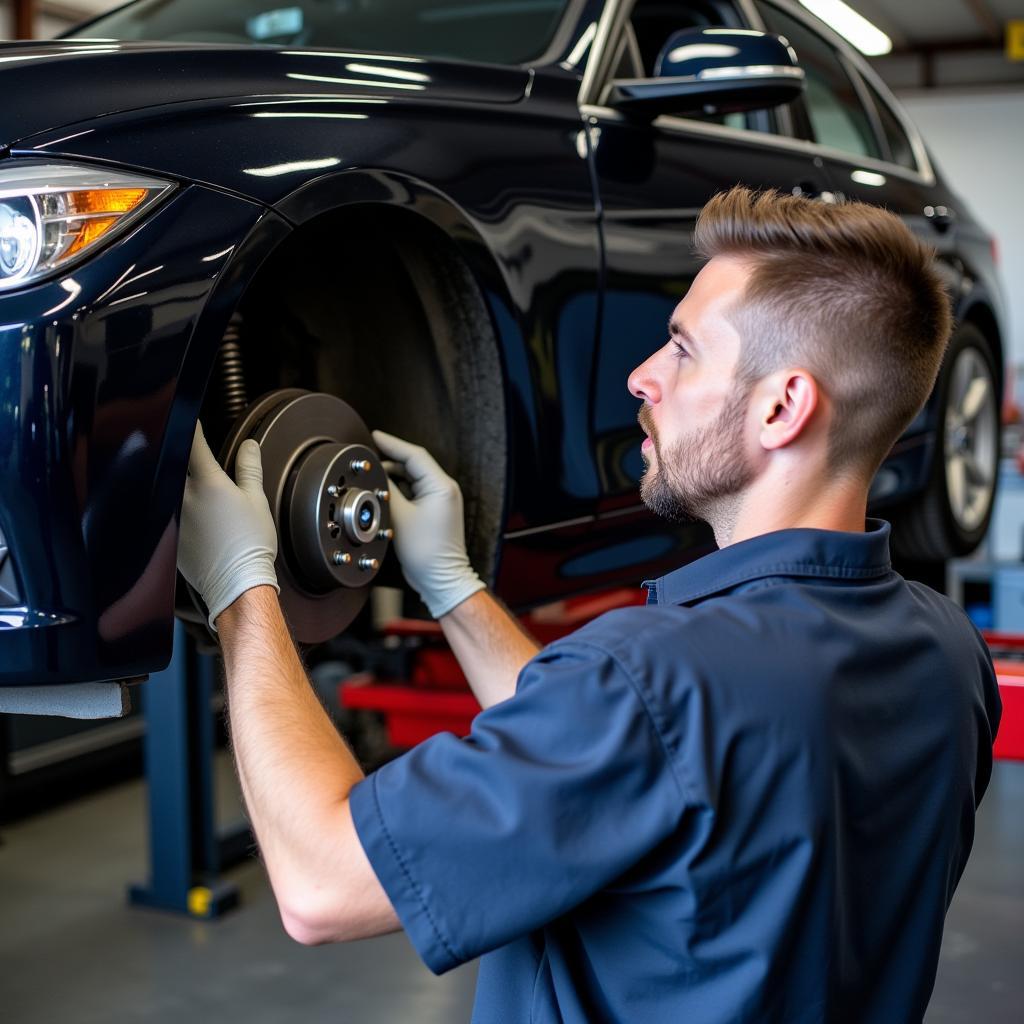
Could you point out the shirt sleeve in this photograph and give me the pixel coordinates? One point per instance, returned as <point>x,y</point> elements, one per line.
<point>554,794</point>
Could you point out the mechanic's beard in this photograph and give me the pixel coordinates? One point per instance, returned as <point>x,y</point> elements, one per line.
<point>701,478</point>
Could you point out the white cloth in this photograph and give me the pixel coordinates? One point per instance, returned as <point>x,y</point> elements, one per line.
<point>80,700</point>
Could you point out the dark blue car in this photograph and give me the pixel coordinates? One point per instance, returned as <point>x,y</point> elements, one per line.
<point>463,223</point>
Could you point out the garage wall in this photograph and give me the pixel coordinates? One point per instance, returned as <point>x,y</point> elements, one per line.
<point>977,142</point>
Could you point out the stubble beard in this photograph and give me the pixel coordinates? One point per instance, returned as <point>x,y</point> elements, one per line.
<point>701,477</point>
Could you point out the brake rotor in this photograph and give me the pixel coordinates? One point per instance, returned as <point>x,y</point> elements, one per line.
<point>329,497</point>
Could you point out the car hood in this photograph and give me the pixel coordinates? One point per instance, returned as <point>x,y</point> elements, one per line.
<point>64,82</point>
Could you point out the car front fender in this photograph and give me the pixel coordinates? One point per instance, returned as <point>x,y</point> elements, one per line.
<point>99,396</point>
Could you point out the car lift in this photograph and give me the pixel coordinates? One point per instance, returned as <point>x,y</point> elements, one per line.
<point>187,853</point>
<point>436,697</point>
<point>1008,658</point>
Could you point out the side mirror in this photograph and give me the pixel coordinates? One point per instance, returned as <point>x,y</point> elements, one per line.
<point>713,71</point>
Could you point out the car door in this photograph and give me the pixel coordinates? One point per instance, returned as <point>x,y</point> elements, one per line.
<point>652,180</point>
<point>868,153</point>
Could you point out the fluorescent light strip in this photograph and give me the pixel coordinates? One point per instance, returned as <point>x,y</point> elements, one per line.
<point>307,114</point>
<point>361,100</point>
<point>353,81</point>
<point>348,55</point>
<point>370,69</point>
<point>868,178</point>
<point>853,27</point>
<point>295,165</point>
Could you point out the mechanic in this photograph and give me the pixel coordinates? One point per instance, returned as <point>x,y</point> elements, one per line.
<point>750,799</point>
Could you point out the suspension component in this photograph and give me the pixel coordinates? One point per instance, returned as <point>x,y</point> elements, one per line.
<point>232,371</point>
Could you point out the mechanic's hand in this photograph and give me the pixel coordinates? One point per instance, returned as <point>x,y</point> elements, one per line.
<point>430,535</point>
<point>228,540</point>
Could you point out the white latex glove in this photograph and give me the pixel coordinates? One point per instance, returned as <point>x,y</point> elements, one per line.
<point>430,533</point>
<point>228,540</point>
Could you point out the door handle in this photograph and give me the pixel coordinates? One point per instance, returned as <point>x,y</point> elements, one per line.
<point>941,218</point>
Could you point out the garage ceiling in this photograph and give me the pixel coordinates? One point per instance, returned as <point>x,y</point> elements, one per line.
<point>940,21</point>
<point>945,42</point>
<point>941,43</point>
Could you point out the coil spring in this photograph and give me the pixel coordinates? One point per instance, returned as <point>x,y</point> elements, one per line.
<point>232,371</point>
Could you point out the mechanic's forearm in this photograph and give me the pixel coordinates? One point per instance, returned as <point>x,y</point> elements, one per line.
<point>296,771</point>
<point>490,645</point>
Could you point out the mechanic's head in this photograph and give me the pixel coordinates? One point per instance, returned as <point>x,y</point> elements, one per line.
<point>802,350</point>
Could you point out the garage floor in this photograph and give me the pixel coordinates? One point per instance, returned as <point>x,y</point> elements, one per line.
<point>72,951</point>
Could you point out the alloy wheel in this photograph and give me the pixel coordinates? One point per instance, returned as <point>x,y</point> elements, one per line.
<point>971,439</point>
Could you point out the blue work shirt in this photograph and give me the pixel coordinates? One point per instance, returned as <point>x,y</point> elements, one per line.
<point>750,800</point>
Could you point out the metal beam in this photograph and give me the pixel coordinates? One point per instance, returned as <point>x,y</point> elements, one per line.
<point>978,44</point>
<point>988,22</point>
<point>22,16</point>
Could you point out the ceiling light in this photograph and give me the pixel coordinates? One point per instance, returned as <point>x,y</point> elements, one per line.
<point>851,26</point>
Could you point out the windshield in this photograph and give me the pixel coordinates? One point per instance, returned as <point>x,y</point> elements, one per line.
<point>497,31</point>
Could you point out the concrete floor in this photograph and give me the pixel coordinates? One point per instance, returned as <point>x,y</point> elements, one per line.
<point>72,951</point>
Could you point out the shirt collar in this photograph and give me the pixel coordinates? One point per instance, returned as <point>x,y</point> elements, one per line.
<point>800,551</point>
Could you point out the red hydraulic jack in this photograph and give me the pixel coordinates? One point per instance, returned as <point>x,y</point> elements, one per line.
<point>1008,658</point>
<point>436,697</point>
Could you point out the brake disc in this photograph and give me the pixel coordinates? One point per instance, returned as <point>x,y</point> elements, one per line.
<point>328,493</point>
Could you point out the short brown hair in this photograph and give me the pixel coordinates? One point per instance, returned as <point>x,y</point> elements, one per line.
<point>844,289</point>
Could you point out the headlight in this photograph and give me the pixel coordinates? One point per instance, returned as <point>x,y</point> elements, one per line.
<point>53,214</point>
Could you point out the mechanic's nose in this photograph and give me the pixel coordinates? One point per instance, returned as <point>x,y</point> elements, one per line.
<point>642,382</point>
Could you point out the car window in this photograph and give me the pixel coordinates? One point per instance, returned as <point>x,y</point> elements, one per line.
<point>837,116</point>
<point>653,22</point>
<point>496,31</point>
<point>900,150</point>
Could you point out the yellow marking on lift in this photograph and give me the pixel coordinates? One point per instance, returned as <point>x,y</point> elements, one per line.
<point>199,900</point>
<point>1015,40</point>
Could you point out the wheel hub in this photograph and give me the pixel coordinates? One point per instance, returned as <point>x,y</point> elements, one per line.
<point>329,497</point>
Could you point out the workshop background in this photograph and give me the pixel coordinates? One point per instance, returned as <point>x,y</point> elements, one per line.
<point>89,836</point>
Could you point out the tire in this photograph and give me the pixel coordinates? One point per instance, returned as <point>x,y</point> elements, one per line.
<point>950,517</point>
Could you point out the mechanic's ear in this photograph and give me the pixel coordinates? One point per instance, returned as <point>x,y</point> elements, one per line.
<point>788,401</point>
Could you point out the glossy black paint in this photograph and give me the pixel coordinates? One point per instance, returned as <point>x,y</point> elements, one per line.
<point>69,83</point>
<point>575,224</point>
<point>98,397</point>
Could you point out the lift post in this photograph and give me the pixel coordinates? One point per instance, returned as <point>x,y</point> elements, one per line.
<point>186,851</point>
<point>436,696</point>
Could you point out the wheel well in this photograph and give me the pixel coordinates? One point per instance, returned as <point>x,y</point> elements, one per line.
<point>984,319</point>
<point>377,306</point>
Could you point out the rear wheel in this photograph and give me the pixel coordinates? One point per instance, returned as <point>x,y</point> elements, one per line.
<point>951,516</point>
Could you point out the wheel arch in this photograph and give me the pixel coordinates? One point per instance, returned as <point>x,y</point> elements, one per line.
<point>445,278</point>
<point>389,193</point>
<point>979,312</point>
